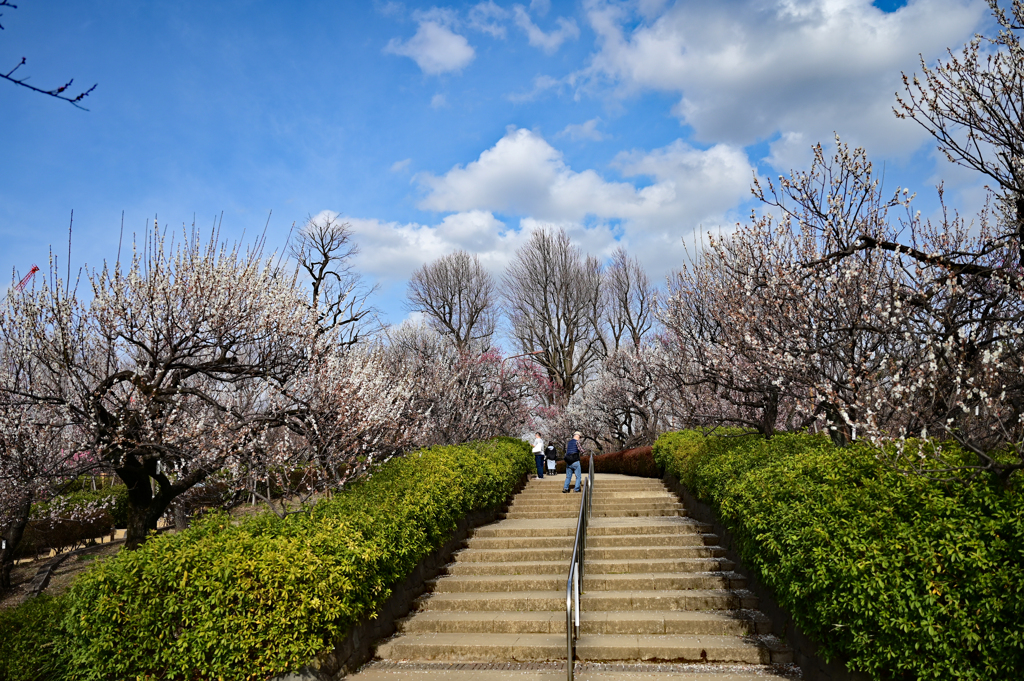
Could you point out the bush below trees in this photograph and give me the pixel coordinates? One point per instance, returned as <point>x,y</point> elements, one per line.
<point>250,600</point>
<point>903,576</point>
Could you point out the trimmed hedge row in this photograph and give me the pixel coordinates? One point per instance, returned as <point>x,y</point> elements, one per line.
<point>264,596</point>
<point>904,577</point>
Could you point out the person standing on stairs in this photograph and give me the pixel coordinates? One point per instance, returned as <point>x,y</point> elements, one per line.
<point>572,462</point>
<point>552,457</point>
<point>538,455</point>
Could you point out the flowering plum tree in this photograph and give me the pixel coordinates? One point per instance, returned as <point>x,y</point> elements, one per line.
<point>36,459</point>
<point>936,315</point>
<point>456,396</point>
<point>622,406</point>
<point>164,372</point>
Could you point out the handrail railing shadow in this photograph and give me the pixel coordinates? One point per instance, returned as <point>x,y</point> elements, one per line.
<point>573,586</point>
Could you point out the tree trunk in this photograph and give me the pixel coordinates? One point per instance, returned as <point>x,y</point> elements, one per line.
<point>1019,205</point>
<point>839,431</point>
<point>181,517</point>
<point>12,534</point>
<point>144,507</point>
<point>769,413</point>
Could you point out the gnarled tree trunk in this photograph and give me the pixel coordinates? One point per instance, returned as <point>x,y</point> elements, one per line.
<point>12,534</point>
<point>145,507</point>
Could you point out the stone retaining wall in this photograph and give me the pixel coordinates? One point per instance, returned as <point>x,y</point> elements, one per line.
<point>805,651</point>
<point>357,646</point>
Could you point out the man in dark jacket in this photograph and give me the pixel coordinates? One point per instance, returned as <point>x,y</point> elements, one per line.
<point>572,462</point>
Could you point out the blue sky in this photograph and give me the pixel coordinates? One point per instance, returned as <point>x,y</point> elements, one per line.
<point>431,127</point>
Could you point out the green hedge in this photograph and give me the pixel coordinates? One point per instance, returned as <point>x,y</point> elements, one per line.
<point>31,646</point>
<point>904,577</point>
<point>257,598</point>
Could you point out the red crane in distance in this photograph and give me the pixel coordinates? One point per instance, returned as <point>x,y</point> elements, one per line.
<point>28,277</point>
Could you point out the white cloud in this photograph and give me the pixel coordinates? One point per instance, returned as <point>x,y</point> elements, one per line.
<point>391,251</point>
<point>389,9</point>
<point>791,151</point>
<point>486,17</point>
<point>747,69</point>
<point>583,131</point>
<point>400,166</point>
<point>679,189</point>
<point>434,48</point>
<point>438,101</point>
<point>540,7</point>
<point>414,318</point>
<point>524,175</point>
<point>548,42</point>
<point>541,84</point>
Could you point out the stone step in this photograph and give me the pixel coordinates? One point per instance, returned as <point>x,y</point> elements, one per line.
<point>490,584</point>
<point>652,552</point>
<point>594,567</point>
<point>720,623</point>
<point>593,553</point>
<point>392,671</point>
<point>556,513</point>
<point>522,601</point>
<point>604,506</point>
<point>639,540</point>
<point>723,623</point>
<point>511,601</point>
<point>475,647</point>
<point>705,648</point>
<point>483,622</point>
<point>592,647</point>
<point>664,581</point>
<point>620,567</point>
<point>510,528</point>
<point>601,528</point>
<point>519,542</point>
<point>639,503</point>
<point>604,495</point>
<point>568,498</point>
<point>515,555</point>
<point>529,567</point>
<point>595,541</point>
<point>526,528</point>
<point>691,599</point>
<point>555,483</point>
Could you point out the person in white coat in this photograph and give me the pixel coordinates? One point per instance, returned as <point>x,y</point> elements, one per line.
<point>538,455</point>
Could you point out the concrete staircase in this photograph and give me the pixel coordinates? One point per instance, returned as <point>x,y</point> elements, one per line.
<point>657,593</point>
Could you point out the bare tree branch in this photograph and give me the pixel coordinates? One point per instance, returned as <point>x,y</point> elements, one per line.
<point>57,92</point>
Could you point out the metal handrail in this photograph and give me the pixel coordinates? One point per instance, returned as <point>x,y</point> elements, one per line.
<point>575,581</point>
